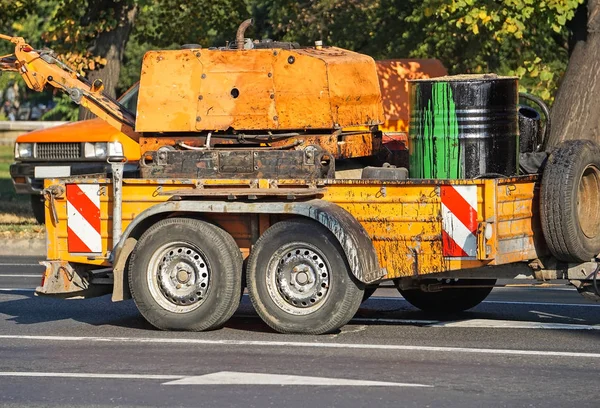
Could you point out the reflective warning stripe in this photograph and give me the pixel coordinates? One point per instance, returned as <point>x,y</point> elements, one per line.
<point>459,221</point>
<point>83,218</point>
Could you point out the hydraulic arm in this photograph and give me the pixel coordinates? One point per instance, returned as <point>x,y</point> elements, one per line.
<point>41,67</point>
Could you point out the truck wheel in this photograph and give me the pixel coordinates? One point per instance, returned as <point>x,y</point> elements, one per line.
<point>448,300</point>
<point>185,274</point>
<point>37,206</point>
<point>569,201</point>
<point>299,280</point>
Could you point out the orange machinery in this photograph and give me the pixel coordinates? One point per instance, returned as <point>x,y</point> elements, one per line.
<point>276,109</point>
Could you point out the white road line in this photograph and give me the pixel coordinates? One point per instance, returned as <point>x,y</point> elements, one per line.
<point>508,302</point>
<point>510,324</point>
<point>220,378</point>
<point>16,290</point>
<point>288,344</point>
<point>481,323</point>
<point>237,378</point>
<point>21,264</point>
<point>15,275</point>
<point>395,321</point>
<point>92,375</point>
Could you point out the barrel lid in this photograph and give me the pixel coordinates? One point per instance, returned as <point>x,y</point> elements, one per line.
<point>466,78</point>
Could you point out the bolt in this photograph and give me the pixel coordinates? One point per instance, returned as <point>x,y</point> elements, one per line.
<point>300,289</point>
<point>178,286</point>
<point>200,97</point>
<point>203,76</point>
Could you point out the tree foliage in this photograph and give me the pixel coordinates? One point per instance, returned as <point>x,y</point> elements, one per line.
<point>526,38</point>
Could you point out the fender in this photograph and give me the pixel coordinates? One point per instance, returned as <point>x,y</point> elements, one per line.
<point>354,240</point>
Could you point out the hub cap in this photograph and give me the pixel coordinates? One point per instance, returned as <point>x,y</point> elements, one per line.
<point>298,279</point>
<point>178,277</point>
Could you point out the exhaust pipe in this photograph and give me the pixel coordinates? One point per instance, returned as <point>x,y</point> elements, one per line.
<point>239,38</point>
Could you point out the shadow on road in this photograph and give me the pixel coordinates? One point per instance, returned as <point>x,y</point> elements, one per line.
<point>24,308</point>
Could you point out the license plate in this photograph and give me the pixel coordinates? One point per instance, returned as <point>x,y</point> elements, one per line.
<point>44,172</point>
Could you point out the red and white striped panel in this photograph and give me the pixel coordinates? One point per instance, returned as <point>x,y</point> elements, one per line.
<point>83,218</point>
<point>459,221</point>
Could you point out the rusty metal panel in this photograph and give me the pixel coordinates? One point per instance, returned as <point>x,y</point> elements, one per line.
<point>519,234</point>
<point>401,219</point>
<point>169,88</point>
<point>393,80</point>
<point>259,89</point>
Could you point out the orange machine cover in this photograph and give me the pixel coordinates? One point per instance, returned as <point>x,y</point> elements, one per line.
<point>393,78</point>
<point>258,89</point>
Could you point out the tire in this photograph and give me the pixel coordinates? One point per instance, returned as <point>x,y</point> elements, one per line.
<point>448,300</point>
<point>570,201</point>
<point>38,208</point>
<point>299,280</point>
<point>209,265</point>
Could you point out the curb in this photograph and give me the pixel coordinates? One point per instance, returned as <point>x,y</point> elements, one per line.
<point>23,247</point>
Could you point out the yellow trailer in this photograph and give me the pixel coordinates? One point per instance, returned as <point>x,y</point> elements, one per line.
<point>249,167</point>
<point>311,247</point>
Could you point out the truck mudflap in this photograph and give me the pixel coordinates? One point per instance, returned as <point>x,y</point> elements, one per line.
<point>62,279</point>
<point>351,235</point>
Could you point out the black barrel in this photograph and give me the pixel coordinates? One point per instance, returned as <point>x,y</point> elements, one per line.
<point>463,127</point>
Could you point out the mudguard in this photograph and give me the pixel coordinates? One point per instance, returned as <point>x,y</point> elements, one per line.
<point>351,235</point>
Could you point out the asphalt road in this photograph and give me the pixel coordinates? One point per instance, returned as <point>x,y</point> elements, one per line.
<point>533,347</point>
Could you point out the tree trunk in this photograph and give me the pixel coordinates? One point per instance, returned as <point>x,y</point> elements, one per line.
<point>576,110</point>
<point>110,45</point>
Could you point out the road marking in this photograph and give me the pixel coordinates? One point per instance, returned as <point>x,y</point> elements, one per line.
<point>15,275</point>
<point>510,302</point>
<point>481,323</point>
<point>511,324</point>
<point>16,290</point>
<point>260,343</point>
<point>21,264</point>
<point>220,378</point>
<point>507,302</point>
<point>92,375</point>
<point>395,321</point>
<point>237,378</point>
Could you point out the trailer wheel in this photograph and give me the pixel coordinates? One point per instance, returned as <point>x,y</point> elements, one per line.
<point>448,300</point>
<point>299,280</point>
<point>570,201</point>
<point>185,274</point>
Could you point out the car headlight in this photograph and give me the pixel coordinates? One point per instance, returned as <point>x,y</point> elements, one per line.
<point>115,149</point>
<point>95,150</point>
<point>102,150</point>
<point>23,150</point>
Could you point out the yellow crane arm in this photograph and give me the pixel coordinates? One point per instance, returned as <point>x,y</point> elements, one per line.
<point>41,67</point>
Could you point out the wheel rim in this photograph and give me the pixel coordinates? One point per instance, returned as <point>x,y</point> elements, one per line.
<point>298,278</point>
<point>178,277</point>
<point>588,206</point>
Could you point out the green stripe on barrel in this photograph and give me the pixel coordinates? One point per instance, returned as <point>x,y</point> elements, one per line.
<point>463,127</point>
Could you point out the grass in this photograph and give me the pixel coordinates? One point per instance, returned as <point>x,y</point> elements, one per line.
<point>16,217</point>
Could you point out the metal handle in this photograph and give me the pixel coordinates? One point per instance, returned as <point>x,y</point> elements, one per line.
<point>544,108</point>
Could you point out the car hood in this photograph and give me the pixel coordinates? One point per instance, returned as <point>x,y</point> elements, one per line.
<point>93,130</point>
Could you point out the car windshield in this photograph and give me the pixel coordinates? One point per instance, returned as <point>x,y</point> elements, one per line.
<point>130,98</point>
